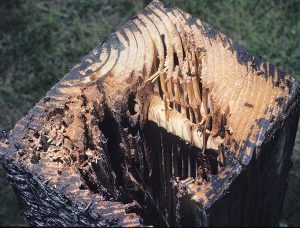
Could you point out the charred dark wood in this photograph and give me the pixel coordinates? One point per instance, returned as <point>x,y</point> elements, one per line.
<point>166,122</point>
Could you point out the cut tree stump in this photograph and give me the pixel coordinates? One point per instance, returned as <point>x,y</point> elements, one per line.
<point>165,122</point>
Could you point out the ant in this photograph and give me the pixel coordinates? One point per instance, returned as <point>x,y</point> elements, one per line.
<point>248,105</point>
<point>5,136</point>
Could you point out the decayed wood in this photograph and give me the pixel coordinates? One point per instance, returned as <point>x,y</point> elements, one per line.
<point>165,122</point>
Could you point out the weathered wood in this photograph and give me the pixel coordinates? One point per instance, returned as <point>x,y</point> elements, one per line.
<point>165,122</point>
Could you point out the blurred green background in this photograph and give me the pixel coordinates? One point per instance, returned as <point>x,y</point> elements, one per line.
<point>41,40</point>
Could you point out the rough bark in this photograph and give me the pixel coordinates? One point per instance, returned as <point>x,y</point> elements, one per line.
<point>165,122</point>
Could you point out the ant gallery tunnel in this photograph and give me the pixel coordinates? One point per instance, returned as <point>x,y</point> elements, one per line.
<point>167,122</point>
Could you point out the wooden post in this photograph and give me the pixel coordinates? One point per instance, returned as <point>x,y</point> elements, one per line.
<point>165,122</point>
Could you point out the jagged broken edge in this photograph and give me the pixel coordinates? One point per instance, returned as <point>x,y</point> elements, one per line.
<point>77,80</point>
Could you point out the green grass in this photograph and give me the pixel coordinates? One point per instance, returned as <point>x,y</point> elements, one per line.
<point>41,40</point>
<point>267,28</point>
